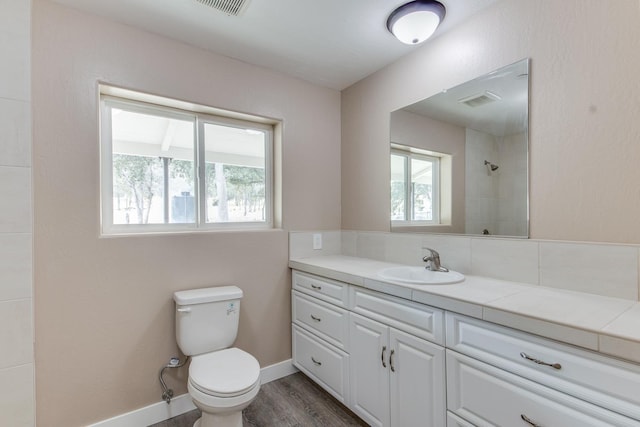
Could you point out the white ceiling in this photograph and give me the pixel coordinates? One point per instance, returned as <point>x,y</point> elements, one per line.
<point>332,43</point>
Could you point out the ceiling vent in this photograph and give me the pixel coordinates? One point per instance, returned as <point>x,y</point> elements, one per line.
<point>230,7</point>
<point>480,99</point>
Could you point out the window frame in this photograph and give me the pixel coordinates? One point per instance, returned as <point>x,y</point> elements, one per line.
<point>199,116</point>
<point>409,213</point>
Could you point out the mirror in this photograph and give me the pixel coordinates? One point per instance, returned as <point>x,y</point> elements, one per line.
<point>459,159</point>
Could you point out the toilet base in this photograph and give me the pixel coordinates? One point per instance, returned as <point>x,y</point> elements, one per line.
<point>233,419</point>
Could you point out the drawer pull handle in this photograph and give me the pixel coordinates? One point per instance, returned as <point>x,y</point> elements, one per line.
<point>316,287</point>
<point>317,319</point>
<point>540,362</point>
<point>315,362</point>
<point>384,349</point>
<point>393,369</point>
<point>528,420</point>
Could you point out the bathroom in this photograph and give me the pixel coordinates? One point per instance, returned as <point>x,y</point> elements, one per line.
<point>99,310</point>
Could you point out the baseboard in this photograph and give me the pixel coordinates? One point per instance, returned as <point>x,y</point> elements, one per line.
<point>150,414</point>
<point>179,405</point>
<point>277,371</point>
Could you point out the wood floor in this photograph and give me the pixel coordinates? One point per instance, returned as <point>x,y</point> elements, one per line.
<point>293,401</point>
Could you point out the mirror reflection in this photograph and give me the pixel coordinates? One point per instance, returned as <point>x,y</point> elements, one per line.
<point>459,159</point>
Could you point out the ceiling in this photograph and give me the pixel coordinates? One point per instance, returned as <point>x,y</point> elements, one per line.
<point>332,43</point>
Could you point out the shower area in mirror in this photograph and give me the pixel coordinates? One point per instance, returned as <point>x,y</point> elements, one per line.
<point>496,177</point>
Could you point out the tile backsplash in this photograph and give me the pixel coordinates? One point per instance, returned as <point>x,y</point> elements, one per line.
<point>602,269</point>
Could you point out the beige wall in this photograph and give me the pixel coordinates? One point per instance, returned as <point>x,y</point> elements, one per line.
<point>104,315</point>
<point>585,104</point>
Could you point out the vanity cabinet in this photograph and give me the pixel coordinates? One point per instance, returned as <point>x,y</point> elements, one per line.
<point>320,332</point>
<point>500,376</point>
<point>396,362</point>
<point>396,378</point>
<point>379,355</point>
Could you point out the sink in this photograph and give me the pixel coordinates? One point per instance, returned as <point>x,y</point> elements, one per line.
<point>420,276</point>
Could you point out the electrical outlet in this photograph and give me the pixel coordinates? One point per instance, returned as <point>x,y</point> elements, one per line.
<point>317,241</point>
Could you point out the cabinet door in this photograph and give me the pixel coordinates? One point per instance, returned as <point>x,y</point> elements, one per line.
<point>417,381</point>
<point>369,370</point>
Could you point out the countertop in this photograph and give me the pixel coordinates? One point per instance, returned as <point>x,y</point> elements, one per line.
<point>604,324</point>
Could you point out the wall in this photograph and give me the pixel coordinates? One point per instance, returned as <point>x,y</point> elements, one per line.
<point>584,131</point>
<point>104,313</point>
<point>16,324</point>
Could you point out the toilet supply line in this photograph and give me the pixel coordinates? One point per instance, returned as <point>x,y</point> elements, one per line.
<point>174,362</point>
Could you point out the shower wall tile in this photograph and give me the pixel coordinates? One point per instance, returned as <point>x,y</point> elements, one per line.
<point>15,45</point>
<point>15,191</point>
<point>16,396</point>
<point>504,259</point>
<point>15,122</point>
<point>607,270</point>
<point>16,333</point>
<point>15,266</point>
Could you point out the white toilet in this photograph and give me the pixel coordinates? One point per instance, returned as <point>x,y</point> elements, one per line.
<point>222,380</point>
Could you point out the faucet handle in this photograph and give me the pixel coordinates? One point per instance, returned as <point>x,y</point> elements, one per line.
<point>433,254</point>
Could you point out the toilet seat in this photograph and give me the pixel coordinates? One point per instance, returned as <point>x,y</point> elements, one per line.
<point>225,373</point>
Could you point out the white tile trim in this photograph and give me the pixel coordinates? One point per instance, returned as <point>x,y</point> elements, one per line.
<point>179,405</point>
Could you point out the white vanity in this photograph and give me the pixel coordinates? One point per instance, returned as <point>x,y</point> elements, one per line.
<point>402,356</point>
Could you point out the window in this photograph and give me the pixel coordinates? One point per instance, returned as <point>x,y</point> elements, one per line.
<point>415,191</point>
<point>171,169</point>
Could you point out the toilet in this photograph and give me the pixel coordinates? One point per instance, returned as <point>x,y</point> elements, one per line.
<point>223,380</point>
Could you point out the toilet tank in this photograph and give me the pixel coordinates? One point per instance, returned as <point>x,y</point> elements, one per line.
<point>207,319</point>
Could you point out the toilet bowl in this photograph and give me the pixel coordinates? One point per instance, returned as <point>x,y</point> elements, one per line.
<point>222,384</point>
<point>222,380</point>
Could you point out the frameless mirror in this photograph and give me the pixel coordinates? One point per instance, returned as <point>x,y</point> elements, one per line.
<point>459,159</point>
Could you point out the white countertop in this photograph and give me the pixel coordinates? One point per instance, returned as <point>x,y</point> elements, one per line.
<point>604,324</point>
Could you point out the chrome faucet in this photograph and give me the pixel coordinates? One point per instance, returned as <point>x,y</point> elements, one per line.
<point>433,261</point>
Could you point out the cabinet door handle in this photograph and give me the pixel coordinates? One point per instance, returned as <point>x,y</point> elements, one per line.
<point>315,362</point>
<point>317,319</point>
<point>529,421</point>
<point>316,287</point>
<point>393,369</point>
<point>384,349</point>
<point>540,362</point>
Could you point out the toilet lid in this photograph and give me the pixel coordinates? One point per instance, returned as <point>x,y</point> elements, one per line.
<point>225,373</point>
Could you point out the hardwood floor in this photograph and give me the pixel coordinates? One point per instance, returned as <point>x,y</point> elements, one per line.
<point>293,401</point>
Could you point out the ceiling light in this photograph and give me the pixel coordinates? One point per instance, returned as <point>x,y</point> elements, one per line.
<point>416,21</point>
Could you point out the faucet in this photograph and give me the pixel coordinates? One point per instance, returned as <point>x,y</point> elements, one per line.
<point>433,261</point>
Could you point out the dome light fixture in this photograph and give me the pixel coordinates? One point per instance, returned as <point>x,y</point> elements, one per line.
<point>416,21</point>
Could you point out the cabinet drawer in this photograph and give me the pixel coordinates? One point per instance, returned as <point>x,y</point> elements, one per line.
<point>455,421</point>
<point>487,396</point>
<point>328,290</point>
<point>327,366</point>
<point>589,376</point>
<point>417,319</point>
<point>329,322</point>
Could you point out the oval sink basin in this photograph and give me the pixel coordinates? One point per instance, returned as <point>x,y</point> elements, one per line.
<point>420,276</point>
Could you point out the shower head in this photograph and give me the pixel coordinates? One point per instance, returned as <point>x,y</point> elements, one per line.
<point>490,166</point>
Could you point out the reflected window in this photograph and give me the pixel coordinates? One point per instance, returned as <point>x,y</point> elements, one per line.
<point>415,190</point>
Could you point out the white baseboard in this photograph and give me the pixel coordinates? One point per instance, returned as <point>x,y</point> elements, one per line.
<point>277,371</point>
<point>179,405</point>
